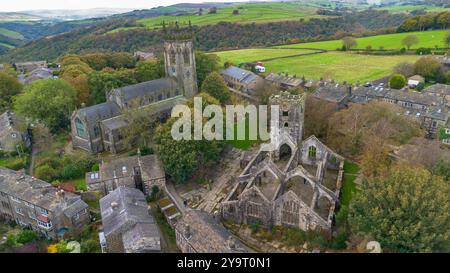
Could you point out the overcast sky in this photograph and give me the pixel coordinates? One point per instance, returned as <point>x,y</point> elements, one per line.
<point>19,5</point>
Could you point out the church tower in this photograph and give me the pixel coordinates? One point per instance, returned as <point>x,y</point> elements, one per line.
<point>179,60</point>
<point>291,115</point>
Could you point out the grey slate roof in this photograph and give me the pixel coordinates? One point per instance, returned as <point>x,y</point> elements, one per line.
<point>131,209</point>
<point>284,80</point>
<point>38,192</point>
<point>332,92</point>
<point>38,74</point>
<point>114,123</point>
<point>99,112</point>
<point>438,89</point>
<point>142,238</point>
<point>242,75</point>
<point>207,234</point>
<point>141,89</point>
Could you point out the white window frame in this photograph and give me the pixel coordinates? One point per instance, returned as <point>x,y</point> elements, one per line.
<point>15,199</point>
<point>19,211</point>
<point>42,211</point>
<point>42,224</point>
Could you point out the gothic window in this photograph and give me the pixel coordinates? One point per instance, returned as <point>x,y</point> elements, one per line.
<point>312,152</point>
<point>290,213</point>
<point>96,131</point>
<point>173,57</point>
<point>286,125</point>
<point>81,130</point>
<point>186,57</point>
<point>253,209</point>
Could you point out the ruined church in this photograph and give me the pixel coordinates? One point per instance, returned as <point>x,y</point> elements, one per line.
<point>99,128</point>
<point>289,182</point>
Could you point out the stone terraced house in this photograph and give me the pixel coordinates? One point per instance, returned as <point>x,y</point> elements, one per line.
<point>35,204</point>
<point>127,225</point>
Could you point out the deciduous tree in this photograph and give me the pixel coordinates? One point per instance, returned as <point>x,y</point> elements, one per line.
<point>50,101</point>
<point>406,211</point>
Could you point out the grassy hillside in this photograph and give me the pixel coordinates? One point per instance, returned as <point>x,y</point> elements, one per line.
<point>270,12</point>
<point>339,66</point>
<point>11,34</point>
<point>390,41</point>
<point>257,54</point>
<point>409,8</point>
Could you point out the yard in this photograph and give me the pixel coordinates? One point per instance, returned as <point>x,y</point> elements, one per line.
<point>348,184</point>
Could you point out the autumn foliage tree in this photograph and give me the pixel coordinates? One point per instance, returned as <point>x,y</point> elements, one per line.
<point>406,210</point>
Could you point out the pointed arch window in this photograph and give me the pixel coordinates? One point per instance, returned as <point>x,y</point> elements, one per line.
<point>312,152</point>
<point>187,57</point>
<point>81,129</point>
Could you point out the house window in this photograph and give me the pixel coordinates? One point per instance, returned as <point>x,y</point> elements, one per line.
<point>285,113</point>
<point>286,125</point>
<point>447,131</point>
<point>19,211</point>
<point>312,152</point>
<point>42,211</point>
<point>29,205</point>
<point>94,176</point>
<point>15,199</point>
<point>14,135</point>
<point>81,131</point>
<point>44,224</point>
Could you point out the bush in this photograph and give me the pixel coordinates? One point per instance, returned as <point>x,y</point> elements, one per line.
<point>294,236</point>
<point>423,51</point>
<point>26,236</point>
<point>340,241</point>
<point>46,173</point>
<point>420,86</point>
<point>72,171</point>
<point>90,246</point>
<point>95,167</point>
<point>397,81</point>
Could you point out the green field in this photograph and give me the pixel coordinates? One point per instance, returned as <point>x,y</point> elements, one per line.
<point>270,12</point>
<point>339,66</point>
<point>6,45</point>
<point>427,39</point>
<point>11,34</point>
<point>257,54</point>
<point>409,8</point>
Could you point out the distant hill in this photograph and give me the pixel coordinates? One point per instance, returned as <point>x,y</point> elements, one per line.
<point>69,15</point>
<point>97,37</point>
<point>18,16</point>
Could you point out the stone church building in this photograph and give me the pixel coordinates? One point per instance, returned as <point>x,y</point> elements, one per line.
<point>289,182</point>
<point>98,128</point>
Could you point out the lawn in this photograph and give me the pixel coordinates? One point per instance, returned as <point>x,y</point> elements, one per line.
<point>427,39</point>
<point>245,144</point>
<point>339,66</point>
<point>257,54</point>
<point>348,183</point>
<point>248,13</point>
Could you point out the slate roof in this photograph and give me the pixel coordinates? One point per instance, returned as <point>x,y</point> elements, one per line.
<point>142,238</point>
<point>99,112</point>
<point>141,89</point>
<point>38,74</point>
<point>284,80</point>
<point>207,234</point>
<point>114,123</point>
<point>38,192</point>
<point>9,123</point>
<point>131,209</point>
<point>332,93</point>
<point>242,75</point>
<point>438,89</point>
